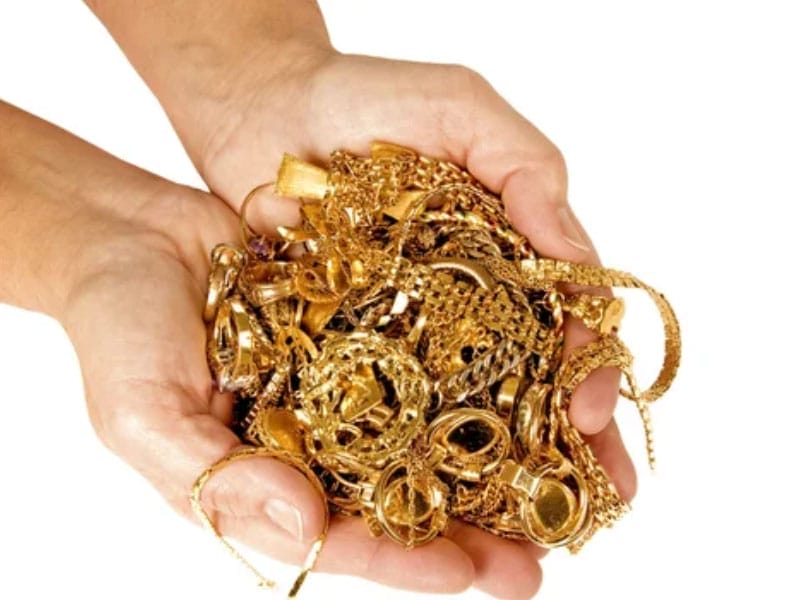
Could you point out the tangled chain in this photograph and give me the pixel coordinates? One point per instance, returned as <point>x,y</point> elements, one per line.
<point>411,356</point>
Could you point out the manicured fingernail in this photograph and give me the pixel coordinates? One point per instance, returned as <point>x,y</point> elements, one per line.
<point>570,229</point>
<point>285,516</point>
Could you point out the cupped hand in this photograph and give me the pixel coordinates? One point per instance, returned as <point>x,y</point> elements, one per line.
<point>327,100</point>
<point>134,317</point>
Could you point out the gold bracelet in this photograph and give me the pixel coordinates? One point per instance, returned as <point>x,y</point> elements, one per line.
<point>412,354</point>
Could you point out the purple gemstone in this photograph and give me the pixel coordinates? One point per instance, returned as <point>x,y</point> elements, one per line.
<point>258,246</point>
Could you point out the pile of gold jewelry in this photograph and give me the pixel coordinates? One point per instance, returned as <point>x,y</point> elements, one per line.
<point>409,361</point>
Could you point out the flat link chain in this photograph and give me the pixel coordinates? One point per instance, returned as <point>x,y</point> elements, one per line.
<point>410,360</point>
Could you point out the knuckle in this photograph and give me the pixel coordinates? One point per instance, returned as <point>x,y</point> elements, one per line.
<point>458,93</point>
<point>555,162</point>
<point>118,427</point>
<point>550,170</point>
<point>221,495</point>
<point>461,79</point>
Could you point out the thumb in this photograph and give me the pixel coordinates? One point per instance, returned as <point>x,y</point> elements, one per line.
<point>172,446</point>
<point>264,488</point>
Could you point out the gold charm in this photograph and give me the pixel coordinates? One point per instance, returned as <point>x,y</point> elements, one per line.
<point>402,347</point>
<point>552,513</point>
<point>410,504</point>
<point>363,398</point>
<point>468,443</point>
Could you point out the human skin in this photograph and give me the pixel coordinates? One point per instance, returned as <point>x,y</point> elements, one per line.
<point>242,82</point>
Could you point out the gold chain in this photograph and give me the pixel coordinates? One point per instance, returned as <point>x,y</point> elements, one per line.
<point>205,519</point>
<point>412,353</point>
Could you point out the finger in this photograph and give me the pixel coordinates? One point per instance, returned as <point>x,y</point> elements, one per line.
<point>513,158</point>
<point>536,552</point>
<point>440,566</point>
<point>149,391</point>
<point>610,450</point>
<point>179,447</point>
<point>266,211</point>
<point>594,400</point>
<point>503,568</point>
<point>473,126</point>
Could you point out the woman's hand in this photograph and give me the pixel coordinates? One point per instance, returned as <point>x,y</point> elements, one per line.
<point>242,87</point>
<point>120,257</point>
<point>329,100</point>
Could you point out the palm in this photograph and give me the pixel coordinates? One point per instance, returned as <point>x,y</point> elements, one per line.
<point>136,326</point>
<point>350,101</point>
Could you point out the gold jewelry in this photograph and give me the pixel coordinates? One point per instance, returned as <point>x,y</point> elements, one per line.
<point>238,350</point>
<point>412,354</point>
<point>344,398</point>
<point>468,443</point>
<point>410,503</point>
<point>249,452</point>
<point>227,262</point>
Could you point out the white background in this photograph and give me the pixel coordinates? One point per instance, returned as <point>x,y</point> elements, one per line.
<point>679,122</point>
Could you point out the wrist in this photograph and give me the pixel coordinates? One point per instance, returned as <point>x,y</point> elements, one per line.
<point>211,106</point>
<point>202,59</point>
<point>66,208</point>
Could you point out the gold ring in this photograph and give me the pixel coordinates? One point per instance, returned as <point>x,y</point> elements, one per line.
<point>226,264</point>
<point>468,443</point>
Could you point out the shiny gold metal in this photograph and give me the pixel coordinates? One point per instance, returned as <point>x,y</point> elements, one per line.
<point>278,429</point>
<point>387,151</point>
<point>468,443</point>
<point>340,391</point>
<point>408,205</point>
<point>317,314</point>
<point>599,313</point>
<point>314,215</point>
<point>551,513</point>
<point>403,347</point>
<point>474,269</point>
<point>506,396</point>
<point>612,316</point>
<point>295,236</point>
<point>263,283</point>
<point>410,505</point>
<point>335,275</point>
<point>232,348</point>
<point>299,179</point>
<point>226,263</point>
<point>552,510</point>
<point>531,417</point>
<point>196,499</point>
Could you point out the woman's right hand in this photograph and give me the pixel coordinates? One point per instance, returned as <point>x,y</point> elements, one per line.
<point>121,258</point>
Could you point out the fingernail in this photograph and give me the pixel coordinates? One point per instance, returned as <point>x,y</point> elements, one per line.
<point>570,229</point>
<point>285,516</point>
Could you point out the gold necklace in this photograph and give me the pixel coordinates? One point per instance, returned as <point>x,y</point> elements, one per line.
<point>411,356</point>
